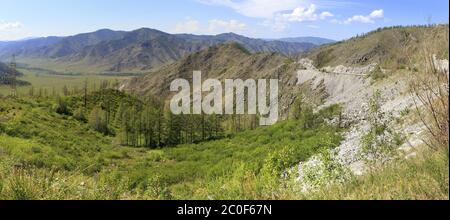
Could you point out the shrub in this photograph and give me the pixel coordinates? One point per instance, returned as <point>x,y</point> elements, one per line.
<point>62,107</point>
<point>377,74</point>
<point>380,144</point>
<point>157,188</point>
<point>79,115</point>
<point>431,91</point>
<point>322,170</point>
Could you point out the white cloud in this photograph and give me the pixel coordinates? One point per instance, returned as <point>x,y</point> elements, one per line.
<point>6,26</point>
<point>368,19</point>
<point>301,14</point>
<point>270,8</point>
<point>276,25</point>
<point>336,21</point>
<point>215,26</point>
<point>377,14</point>
<point>220,26</point>
<point>325,15</point>
<point>12,31</point>
<point>278,14</point>
<point>189,25</point>
<point>257,8</point>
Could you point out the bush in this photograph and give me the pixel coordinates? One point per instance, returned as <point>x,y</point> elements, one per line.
<point>62,107</point>
<point>79,115</point>
<point>380,144</point>
<point>377,74</point>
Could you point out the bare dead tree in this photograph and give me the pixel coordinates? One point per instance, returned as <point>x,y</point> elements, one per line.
<point>430,88</point>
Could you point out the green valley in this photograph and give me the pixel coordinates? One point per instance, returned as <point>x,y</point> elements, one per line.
<point>362,118</point>
<point>41,149</point>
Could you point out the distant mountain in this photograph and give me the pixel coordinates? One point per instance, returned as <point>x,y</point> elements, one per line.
<point>139,50</point>
<point>26,48</point>
<point>56,47</point>
<point>313,40</point>
<point>254,45</point>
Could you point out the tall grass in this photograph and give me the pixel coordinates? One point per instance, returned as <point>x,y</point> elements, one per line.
<point>425,177</point>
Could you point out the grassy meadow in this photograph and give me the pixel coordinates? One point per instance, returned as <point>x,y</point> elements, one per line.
<point>46,81</point>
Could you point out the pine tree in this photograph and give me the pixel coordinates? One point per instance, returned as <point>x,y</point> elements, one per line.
<point>85,93</point>
<point>97,120</point>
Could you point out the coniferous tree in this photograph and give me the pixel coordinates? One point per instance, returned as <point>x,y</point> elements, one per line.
<point>31,91</point>
<point>65,90</point>
<point>85,93</point>
<point>97,120</point>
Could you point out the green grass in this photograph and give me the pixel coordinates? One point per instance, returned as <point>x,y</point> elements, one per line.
<point>41,79</point>
<point>39,141</point>
<point>85,66</point>
<point>44,155</point>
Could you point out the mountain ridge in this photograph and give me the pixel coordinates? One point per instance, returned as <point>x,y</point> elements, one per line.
<point>139,50</point>
<point>390,47</point>
<point>319,41</point>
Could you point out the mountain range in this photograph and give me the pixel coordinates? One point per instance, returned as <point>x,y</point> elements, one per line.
<point>135,51</point>
<point>313,40</point>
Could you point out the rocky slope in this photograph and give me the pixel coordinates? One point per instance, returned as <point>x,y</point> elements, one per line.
<point>352,88</point>
<point>349,81</point>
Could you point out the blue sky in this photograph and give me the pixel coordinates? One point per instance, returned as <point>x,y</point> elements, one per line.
<point>255,18</point>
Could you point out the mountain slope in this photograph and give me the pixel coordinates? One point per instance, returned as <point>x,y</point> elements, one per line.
<point>33,47</point>
<point>225,61</point>
<point>255,45</point>
<point>55,47</point>
<point>390,47</point>
<point>138,50</point>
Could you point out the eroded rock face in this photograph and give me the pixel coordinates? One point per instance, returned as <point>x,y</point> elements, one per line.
<point>352,88</point>
<point>344,85</point>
